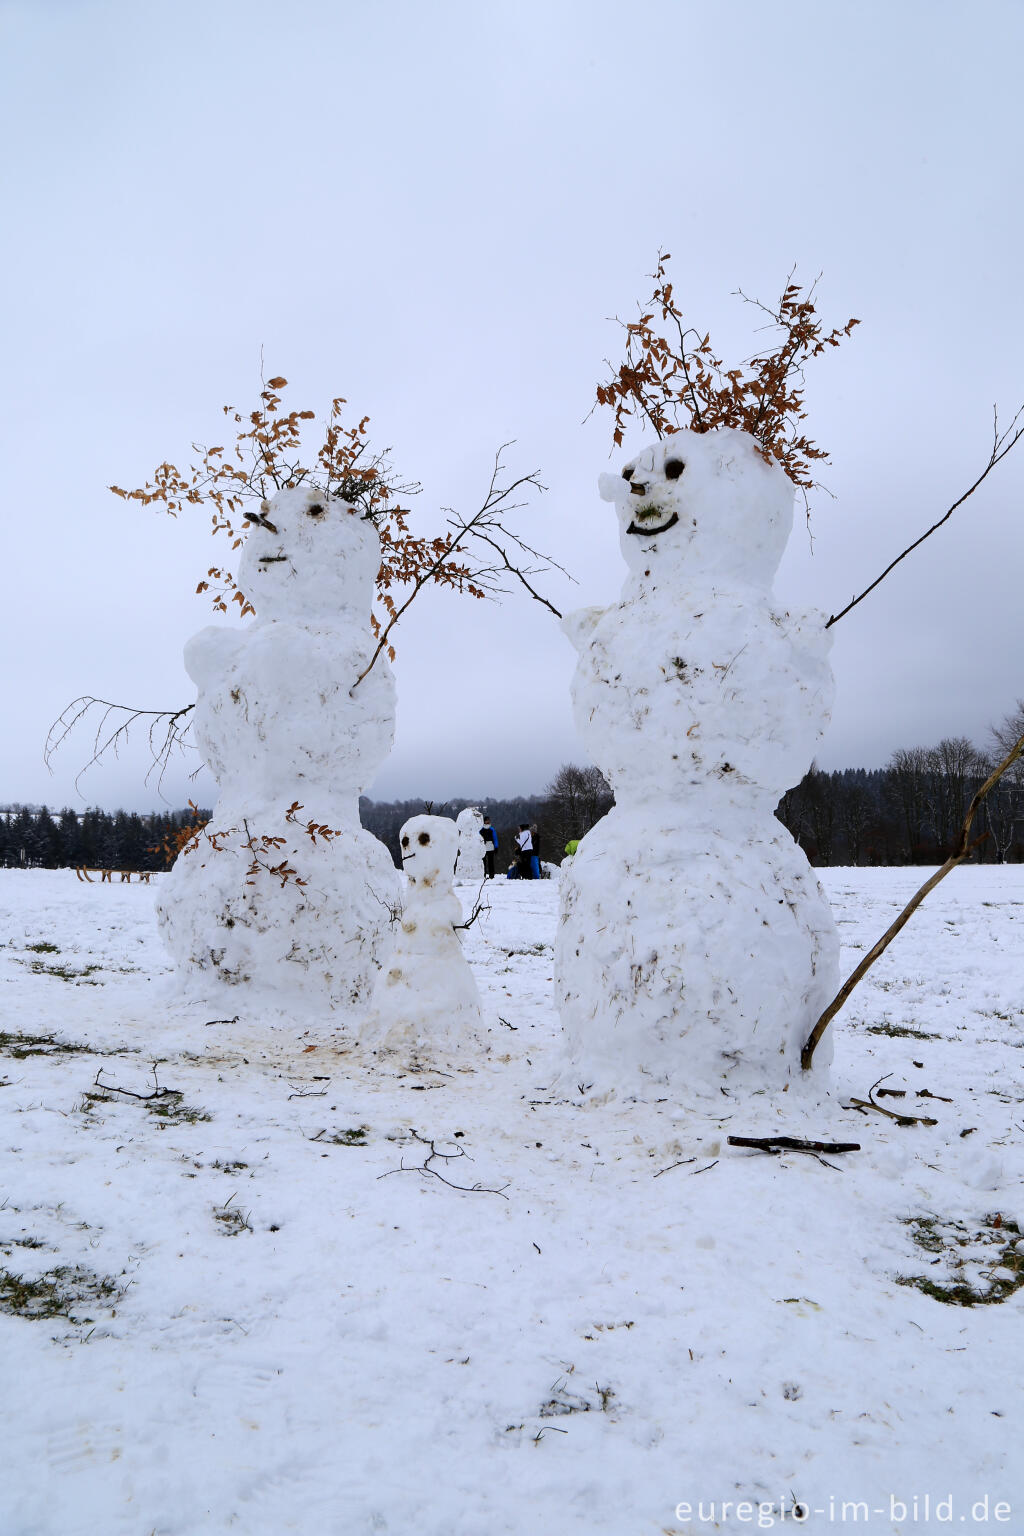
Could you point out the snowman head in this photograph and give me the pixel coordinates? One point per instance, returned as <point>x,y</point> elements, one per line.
<point>309,556</point>
<point>705,500</point>
<point>429,847</point>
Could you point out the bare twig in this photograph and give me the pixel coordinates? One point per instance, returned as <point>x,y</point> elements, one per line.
<point>445,1157</point>
<point>485,526</point>
<point>1001,446</point>
<point>114,728</point>
<point>960,851</point>
<point>158,1092</point>
<point>681,1163</point>
<point>479,905</point>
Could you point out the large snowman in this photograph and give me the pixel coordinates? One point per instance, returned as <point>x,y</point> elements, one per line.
<point>279,719</point>
<point>696,948</point>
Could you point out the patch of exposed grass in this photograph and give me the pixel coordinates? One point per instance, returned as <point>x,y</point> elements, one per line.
<point>66,972</point>
<point>900,1032</point>
<point>58,1293</point>
<point>562,1402</point>
<point>19,1046</point>
<point>229,1167</point>
<point>44,949</point>
<point>231,1222</point>
<point>983,1267</point>
<point>355,1136</point>
<point>173,1112</point>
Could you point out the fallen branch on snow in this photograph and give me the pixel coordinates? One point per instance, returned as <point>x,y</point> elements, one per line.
<point>447,1157</point>
<point>158,1092</point>
<point>791,1144</point>
<point>891,1114</point>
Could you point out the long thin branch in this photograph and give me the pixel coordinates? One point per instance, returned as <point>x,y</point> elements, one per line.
<point>960,851</point>
<point>1000,448</point>
<point>173,736</point>
<point>519,573</point>
<point>465,528</point>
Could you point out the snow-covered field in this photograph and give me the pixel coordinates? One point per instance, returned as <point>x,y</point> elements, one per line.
<point>259,1311</point>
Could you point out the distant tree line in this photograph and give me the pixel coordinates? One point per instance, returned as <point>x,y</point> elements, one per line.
<point>31,837</point>
<point>908,812</point>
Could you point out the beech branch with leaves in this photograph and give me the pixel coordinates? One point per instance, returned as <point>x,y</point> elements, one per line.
<point>677,381</point>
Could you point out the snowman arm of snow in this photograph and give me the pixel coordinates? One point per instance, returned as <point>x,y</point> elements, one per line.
<point>580,625</point>
<point>211,653</point>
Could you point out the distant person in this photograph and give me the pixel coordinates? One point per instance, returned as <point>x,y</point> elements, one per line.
<point>524,845</point>
<point>490,840</point>
<point>535,852</point>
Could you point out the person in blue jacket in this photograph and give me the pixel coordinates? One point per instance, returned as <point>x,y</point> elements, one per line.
<point>490,839</point>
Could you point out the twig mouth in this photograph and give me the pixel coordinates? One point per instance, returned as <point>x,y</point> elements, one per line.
<point>650,532</point>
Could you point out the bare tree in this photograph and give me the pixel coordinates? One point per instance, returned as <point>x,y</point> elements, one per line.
<point>578,796</point>
<point>956,767</point>
<point>855,810</point>
<point>1005,805</point>
<point>907,785</point>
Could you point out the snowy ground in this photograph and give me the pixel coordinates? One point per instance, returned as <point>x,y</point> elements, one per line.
<point>250,1319</point>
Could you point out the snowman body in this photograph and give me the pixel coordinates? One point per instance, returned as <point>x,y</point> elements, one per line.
<point>426,1004</point>
<point>279,720</point>
<point>469,864</point>
<point>695,944</point>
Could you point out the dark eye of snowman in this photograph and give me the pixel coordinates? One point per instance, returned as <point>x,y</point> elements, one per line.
<point>405,842</point>
<point>316,510</point>
<point>673,468</point>
<point>629,471</point>
<point>423,838</point>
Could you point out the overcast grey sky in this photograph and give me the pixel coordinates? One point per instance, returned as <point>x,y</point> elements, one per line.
<point>434,211</point>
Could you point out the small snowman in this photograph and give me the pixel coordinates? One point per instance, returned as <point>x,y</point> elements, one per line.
<point>426,1002</point>
<point>696,947</point>
<point>280,719</point>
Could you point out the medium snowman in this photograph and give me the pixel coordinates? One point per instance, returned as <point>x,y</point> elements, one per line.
<point>469,864</point>
<point>696,947</point>
<point>426,1004</point>
<point>279,719</point>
